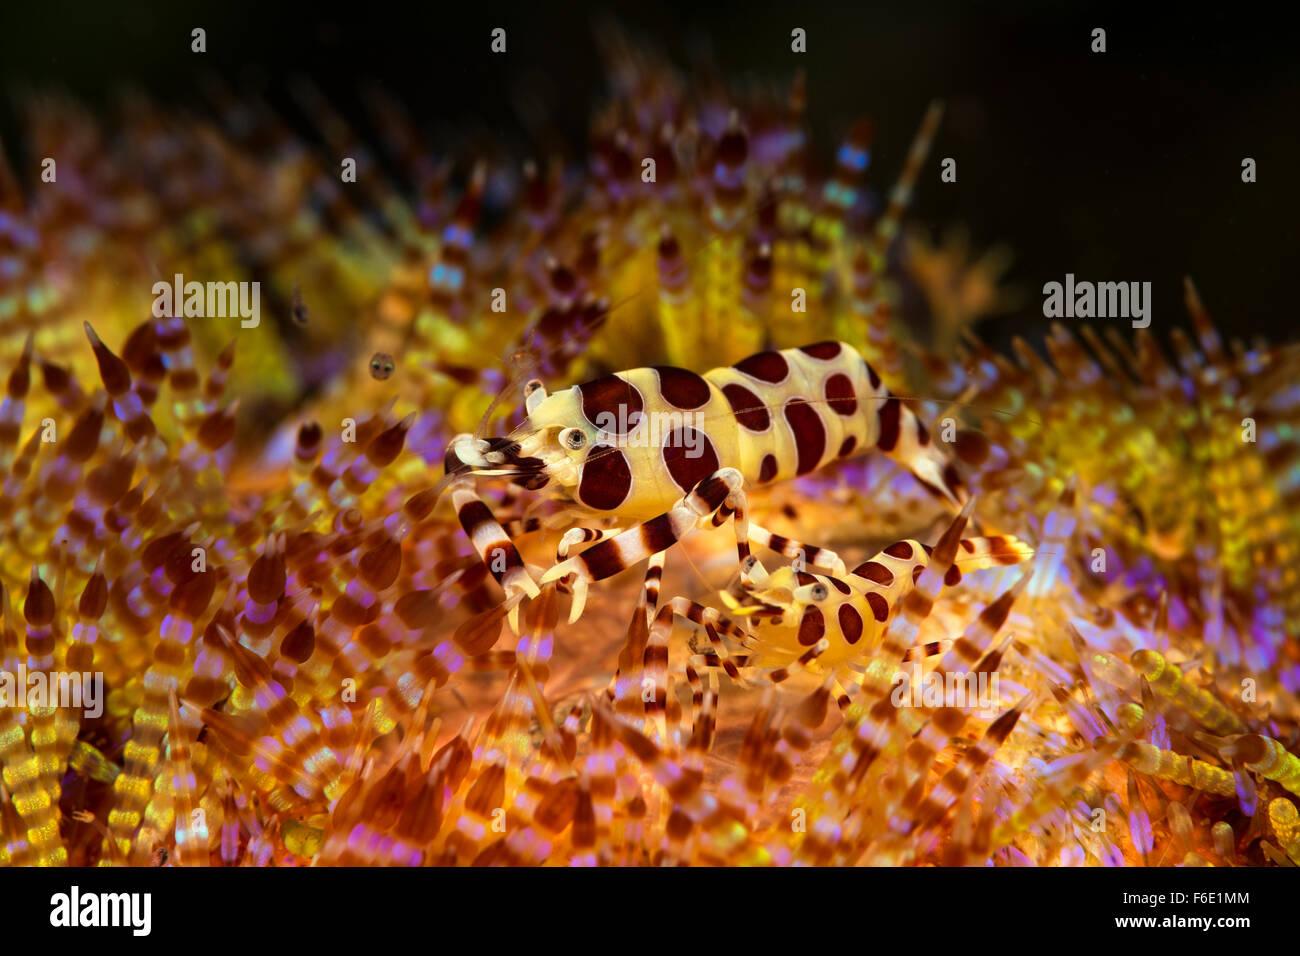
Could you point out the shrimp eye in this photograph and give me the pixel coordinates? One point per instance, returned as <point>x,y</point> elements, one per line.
<point>811,593</point>
<point>532,385</point>
<point>573,438</point>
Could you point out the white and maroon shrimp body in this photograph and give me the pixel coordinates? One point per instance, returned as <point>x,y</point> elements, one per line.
<point>666,449</point>
<point>633,443</point>
<point>798,609</point>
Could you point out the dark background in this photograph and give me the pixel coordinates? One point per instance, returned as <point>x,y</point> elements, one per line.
<point>1120,166</point>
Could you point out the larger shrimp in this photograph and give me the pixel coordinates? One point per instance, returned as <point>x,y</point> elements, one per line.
<point>674,451</point>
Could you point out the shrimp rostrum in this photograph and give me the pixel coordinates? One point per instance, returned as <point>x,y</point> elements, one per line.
<point>660,452</point>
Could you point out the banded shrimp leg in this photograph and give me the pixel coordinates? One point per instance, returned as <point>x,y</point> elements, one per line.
<point>469,457</point>
<point>752,571</point>
<point>616,551</point>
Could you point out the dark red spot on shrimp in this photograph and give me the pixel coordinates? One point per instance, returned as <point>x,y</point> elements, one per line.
<point>767,468</point>
<point>872,377</point>
<point>765,366</point>
<point>657,534</point>
<point>875,571</point>
<point>1001,550</point>
<point>689,457</point>
<point>809,434</point>
<point>846,449</point>
<point>890,415</point>
<point>602,561</point>
<point>879,607</point>
<point>611,404</point>
<point>812,627</point>
<point>850,623</point>
<point>900,549</point>
<point>822,350</point>
<point>532,482</point>
<point>922,433</point>
<point>473,514</point>
<point>509,555</point>
<point>606,478</point>
<point>953,576</point>
<point>748,408</point>
<point>655,654</point>
<point>840,586</point>
<point>840,395</point>
<point>682,389</point>
<point>711,493</point>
